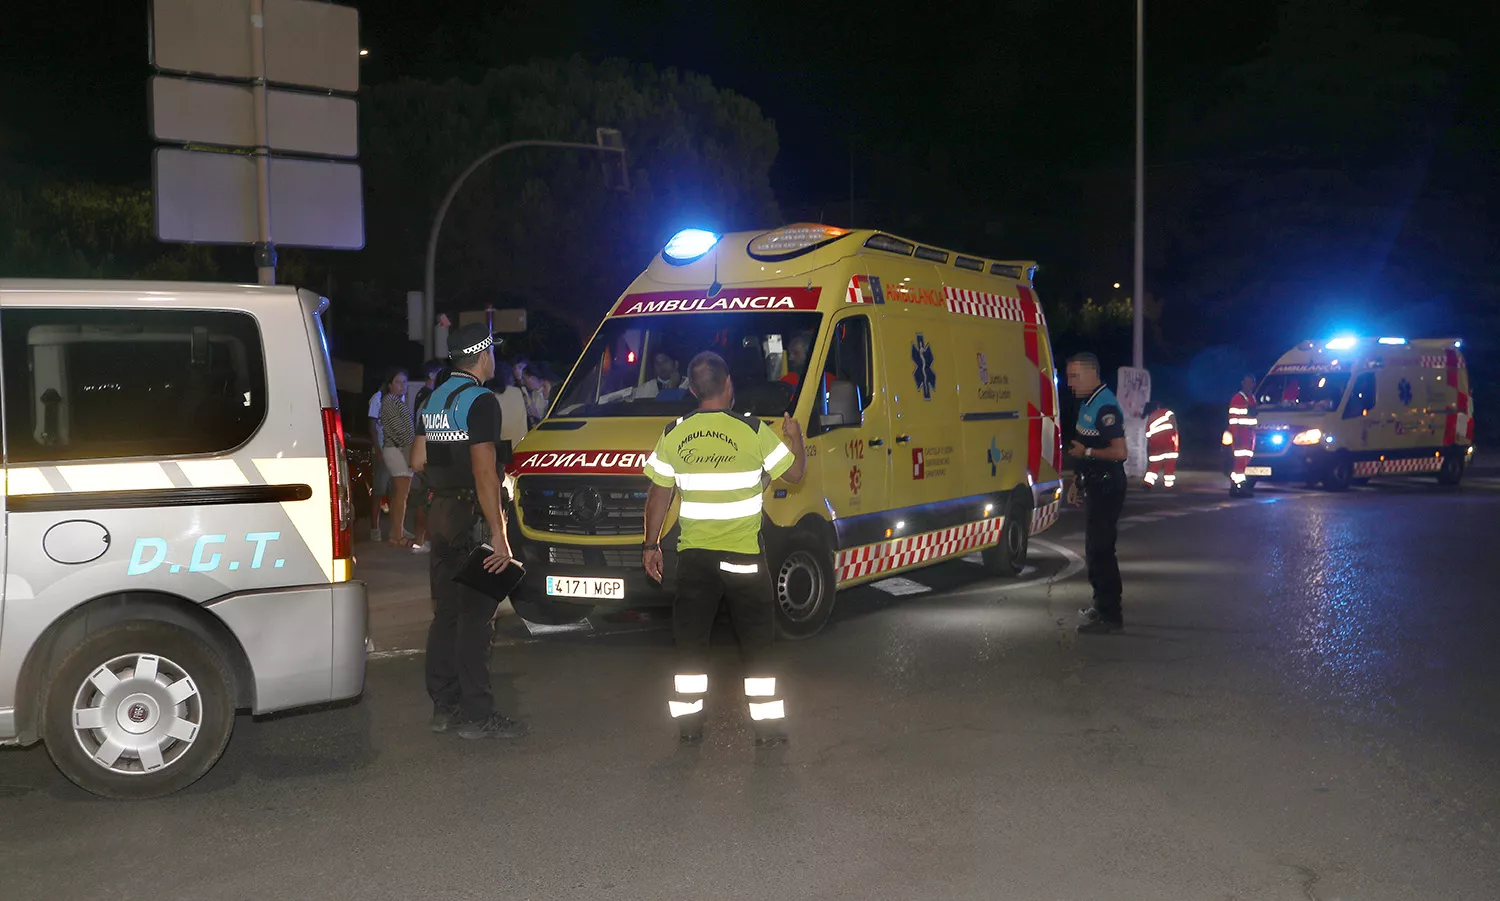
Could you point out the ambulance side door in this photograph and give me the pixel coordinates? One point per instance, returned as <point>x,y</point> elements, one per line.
<point>924,410</point>
<point>850,430</point>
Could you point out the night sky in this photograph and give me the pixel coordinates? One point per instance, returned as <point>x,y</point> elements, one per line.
<point>1028,78</point>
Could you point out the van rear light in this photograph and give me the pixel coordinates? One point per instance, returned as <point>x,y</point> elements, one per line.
<point>340,502</point>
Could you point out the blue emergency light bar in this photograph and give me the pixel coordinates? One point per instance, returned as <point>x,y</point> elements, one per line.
<point>688,245</point>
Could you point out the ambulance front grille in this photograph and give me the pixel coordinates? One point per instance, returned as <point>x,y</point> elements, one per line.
<point>595,505</point>
<point>612,557</point>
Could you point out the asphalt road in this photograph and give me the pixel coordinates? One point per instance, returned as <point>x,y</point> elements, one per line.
<point>1306,704</point>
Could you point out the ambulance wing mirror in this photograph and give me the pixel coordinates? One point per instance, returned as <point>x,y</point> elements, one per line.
<point>842,407</point>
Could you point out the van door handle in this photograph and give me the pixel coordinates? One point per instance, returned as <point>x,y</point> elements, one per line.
<point>877,442</point>
<point>902,439</point>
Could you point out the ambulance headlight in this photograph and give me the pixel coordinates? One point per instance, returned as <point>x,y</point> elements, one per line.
<point>1308,438</point>
<point>688,245</point>
<point>1228,439</point>
<point>508,483</point>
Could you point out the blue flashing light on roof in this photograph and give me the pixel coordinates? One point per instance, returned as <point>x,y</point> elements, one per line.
<point>688,245</point>
<point>1341,343</point>
<point>1392,340</point>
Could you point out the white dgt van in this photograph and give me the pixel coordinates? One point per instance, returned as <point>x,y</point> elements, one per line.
<point>177,540</point>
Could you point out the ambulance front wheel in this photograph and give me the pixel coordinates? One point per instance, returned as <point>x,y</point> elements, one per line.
<point>803,580</point>
<point>545,612</point>
<point>1340,473</point>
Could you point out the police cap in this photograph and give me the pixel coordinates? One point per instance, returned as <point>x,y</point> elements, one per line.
<point>468,340</point>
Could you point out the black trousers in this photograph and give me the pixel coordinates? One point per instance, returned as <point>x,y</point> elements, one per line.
<point>458,642</point>
<point>1103,501</point>
<point>704,579</point>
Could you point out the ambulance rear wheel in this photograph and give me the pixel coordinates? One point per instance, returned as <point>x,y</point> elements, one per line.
<point>1340,474</point>
<point>545,612</point>
<point>803,581</point>
<point>1008,558</point>
<point>1452,471</point>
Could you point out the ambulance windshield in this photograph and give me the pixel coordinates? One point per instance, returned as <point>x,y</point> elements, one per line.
<point>1312,392</point>
<point>638,365</point>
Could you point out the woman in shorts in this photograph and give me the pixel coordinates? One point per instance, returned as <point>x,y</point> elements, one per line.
<point>400,434</point>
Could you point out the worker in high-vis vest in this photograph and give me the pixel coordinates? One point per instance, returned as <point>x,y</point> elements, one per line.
<point>720,462</point>
<point>1242,423</point>
<point>1162,447</point>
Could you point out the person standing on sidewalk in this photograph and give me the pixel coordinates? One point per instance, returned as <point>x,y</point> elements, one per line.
<point>380,477</point>
<point>1098,484</point>
<point>397,427</point>
<point>721,462</point>
<point>457,433</point>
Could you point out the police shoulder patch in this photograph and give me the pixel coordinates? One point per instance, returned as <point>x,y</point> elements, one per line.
<point>1108,419</point>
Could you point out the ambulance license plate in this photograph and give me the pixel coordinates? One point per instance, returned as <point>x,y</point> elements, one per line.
<point>567,587</point>
<point>1257,470</point>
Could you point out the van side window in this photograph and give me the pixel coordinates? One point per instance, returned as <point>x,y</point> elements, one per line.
<point>848,376</point>
<point>89,384</point>
<point>1361,396</point>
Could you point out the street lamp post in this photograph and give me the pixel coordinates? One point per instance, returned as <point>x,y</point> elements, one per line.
<point>608,142</point>
<point>1138,336</point>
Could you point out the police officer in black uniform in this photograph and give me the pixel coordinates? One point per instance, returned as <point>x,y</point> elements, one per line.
<point>1099,485</point>
<point>458,437</point>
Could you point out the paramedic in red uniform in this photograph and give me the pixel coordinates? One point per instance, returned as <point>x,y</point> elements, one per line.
<point>1162,446</point>
<point>1242,422</point>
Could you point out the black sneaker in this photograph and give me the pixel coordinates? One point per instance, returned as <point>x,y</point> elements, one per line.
<point>443,717</point>
<point>495,726</point>
<point>1100,627</point>
<point>1088,614</point>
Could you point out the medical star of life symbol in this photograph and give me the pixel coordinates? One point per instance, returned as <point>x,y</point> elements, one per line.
<point>1404,389</point>
<point>921,360</point>
<point>854,480</point>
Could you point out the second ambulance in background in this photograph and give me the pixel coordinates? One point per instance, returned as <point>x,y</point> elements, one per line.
<point>1346,410</point>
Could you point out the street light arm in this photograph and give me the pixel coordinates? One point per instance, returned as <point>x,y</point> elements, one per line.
<point>429,281</point>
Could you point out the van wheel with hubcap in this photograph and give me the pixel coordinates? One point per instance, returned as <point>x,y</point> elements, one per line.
<point>1340,474</point>
<point>547,612</point>
<point>1452,471</point>
<point>1007,558</point>
<point>138,710</point>
<point>804,584</point>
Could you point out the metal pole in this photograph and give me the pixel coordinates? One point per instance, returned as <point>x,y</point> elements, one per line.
<point>1138,347</point>
<point>265,251</point>
<point>429,299</point>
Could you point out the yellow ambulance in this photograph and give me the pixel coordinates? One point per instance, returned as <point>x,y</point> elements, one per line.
<point>1346,410</point>
<point>922,378</point>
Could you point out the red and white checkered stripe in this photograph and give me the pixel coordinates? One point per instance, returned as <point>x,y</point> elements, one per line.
<point>884,556</point>
<point>859,290</point>
<point>1410,465</point>
<point>1460,423</point>
<point>991,306</point>
<point>1044,517</point>
<point>1445,360</point>
<point>1365,469</point>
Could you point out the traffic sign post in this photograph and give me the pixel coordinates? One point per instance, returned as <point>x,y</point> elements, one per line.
<point>226,57</point>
